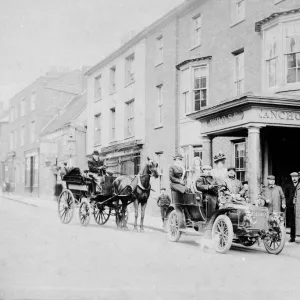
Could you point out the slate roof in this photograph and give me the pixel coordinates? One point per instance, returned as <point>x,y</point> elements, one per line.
<point>75,107</point>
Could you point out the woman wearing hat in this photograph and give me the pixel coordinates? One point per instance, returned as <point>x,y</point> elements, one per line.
<point>219,172</point>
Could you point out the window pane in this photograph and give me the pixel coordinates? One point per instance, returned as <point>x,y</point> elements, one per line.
<point>203,82</point>
<point>197,95</point>
<point>197,83</point>
<point>291,61</point>
<point>291,77</point>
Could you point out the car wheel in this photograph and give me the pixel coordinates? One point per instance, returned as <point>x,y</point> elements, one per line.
<point>222,234</point>
<point>274,244</point>
<point>173,227</point>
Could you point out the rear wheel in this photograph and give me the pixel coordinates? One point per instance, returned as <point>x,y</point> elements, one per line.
<point>222,233</point>
<point>66,206</point>
<point>84,213</point>
<point>101,213</point>
<point>173,227</point>
<point>274,243</point>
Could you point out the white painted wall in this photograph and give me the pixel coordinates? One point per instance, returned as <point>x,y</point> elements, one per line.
<point>118,99</point>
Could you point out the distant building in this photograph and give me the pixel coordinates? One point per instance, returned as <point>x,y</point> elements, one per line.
<point>63,139</point>
<point>30,110</point>
<point>4,146</point>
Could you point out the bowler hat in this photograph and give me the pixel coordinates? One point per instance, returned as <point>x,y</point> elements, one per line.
<point>219,156</point>
<point>163,189</point>
<point>245,182</point>
<point>231,169</point>
<point>294,174</point>
<point>96,152</point>
<point>178,156</point>
<point>271,177</point>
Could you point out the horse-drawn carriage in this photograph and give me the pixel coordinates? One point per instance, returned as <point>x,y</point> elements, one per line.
<point>233,220</point>
<point>79,192</point>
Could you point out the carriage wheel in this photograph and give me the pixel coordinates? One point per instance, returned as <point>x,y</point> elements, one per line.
<point>274,243</point>
<point>101,213</point>
<point>222,233</point>
<point>84,213</point>
<point>66,206</point>
<point>119,219</point>
<point>173,227</point>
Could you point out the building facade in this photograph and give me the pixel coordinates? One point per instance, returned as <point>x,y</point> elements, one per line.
<point>30,111</point>
<point>63,140</point>
<point>4,146</point>
<point>116,108</point>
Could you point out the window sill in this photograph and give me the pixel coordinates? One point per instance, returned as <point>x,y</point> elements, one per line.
<point>98,100</point>
<point>97,145</point>
<point>129,83</point>
<point>287,88</point>
<point>278,1</point>
<point>195,47</point>
<point>237,23</point>
<point>159,126</point>
<point>112,92</point>
<point>158,64</point>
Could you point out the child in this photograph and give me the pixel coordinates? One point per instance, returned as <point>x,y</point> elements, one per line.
<point>163,202</point>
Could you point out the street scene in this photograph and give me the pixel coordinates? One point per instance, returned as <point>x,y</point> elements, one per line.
<point>41,258</point>
<point>149,149</point>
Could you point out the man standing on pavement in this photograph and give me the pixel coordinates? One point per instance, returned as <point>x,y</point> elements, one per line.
<point>207,185</point>
<point>290,190</point>
<point>163,202</point>
<point>274,196</point>
<point>296,203</point>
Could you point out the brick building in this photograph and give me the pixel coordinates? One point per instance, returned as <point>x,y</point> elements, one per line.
<point>30,110</point>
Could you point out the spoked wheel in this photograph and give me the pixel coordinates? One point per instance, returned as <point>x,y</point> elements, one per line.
<point>84,213</point>
<point>101,213</point>
<point>173,227</point>
<point>222,233</point>
<point>66,206</point>
<point>275,242</point>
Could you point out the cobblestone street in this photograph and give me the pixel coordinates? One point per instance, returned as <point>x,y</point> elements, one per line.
<point>41,258</point>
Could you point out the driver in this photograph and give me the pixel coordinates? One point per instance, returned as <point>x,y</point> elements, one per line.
<point>206,183</point>
<point>97,167</point>
<point>234,185</point>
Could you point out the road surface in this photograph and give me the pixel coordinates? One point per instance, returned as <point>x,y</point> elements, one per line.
<point>41,258</point>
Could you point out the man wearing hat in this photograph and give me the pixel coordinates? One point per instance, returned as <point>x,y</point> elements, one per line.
<point>96,165</point>
<point>177,178</point>
<point>207,185</point>
<point>219,172</point>
<point>290,190</point>
<point>274,196</point>
<point>234,185</point>
<point>296,202</point>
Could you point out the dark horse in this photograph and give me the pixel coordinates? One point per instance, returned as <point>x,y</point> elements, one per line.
<point>135,189</point>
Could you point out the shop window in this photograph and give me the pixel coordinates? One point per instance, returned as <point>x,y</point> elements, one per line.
<point>240,160</point>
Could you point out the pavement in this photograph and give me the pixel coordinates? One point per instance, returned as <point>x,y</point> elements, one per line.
<point>41,258</point>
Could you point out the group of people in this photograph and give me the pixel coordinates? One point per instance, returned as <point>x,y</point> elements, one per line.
<point>271,196</point>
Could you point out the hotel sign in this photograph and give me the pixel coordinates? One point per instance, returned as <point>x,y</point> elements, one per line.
<point>225,119</point>
<point>279,115</point>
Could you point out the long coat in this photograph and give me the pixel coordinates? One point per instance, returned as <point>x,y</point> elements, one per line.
<point>297,209</point>
<point>276,197</point>
<point>289,191</point>
<point>175,175</point>
<point>211,196</point>
<point>94,165</point>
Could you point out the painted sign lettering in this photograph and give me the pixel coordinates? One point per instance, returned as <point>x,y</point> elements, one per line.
<point>279,115</point>
<point>231,117</point>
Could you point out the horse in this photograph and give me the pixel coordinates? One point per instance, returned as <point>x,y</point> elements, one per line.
<point>137,190</point>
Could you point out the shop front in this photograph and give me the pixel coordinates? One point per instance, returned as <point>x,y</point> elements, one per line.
<point>270,125</point>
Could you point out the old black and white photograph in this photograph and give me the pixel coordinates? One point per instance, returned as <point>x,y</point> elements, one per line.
<point>149,149</point>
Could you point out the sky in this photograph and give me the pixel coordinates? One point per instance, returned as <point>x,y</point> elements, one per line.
<point>39,35</point>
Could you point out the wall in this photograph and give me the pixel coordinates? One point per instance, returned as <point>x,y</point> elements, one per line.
<point>117,100</point>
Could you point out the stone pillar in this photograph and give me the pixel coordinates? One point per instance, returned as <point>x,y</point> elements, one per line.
<point>207,150</point>
<point>254,162</point>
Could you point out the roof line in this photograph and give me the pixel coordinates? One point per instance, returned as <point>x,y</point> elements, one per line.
<point>186,5</point>
<point>258,24</point>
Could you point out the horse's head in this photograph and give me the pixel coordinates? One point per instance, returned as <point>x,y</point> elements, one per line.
<point>152,167</point>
